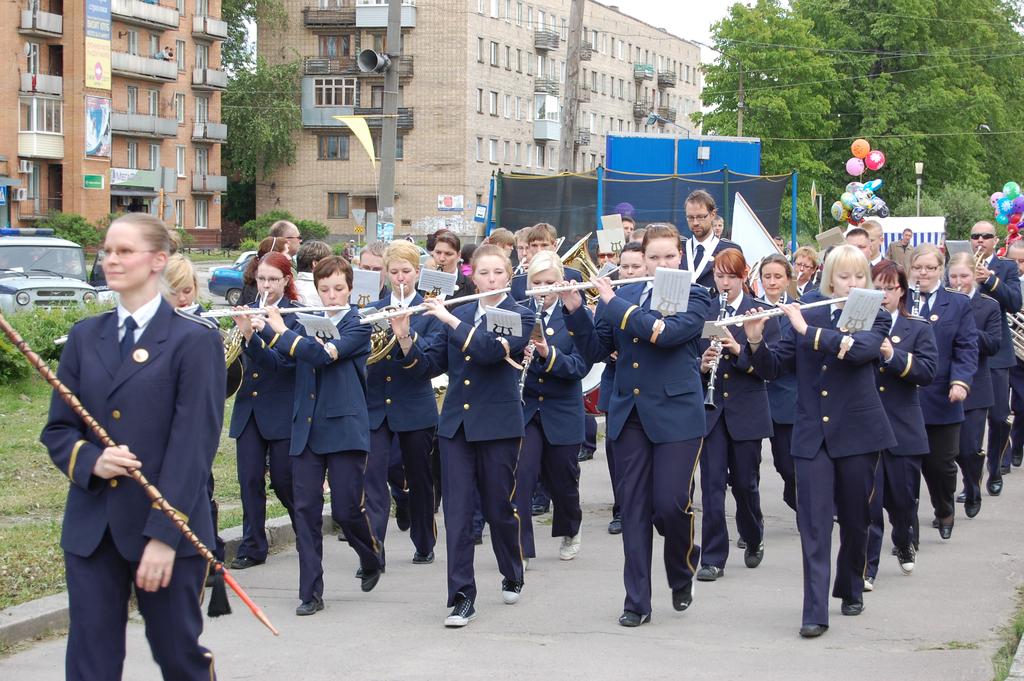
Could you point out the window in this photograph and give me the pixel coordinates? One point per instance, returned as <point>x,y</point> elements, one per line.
<point>202,213</point>
<point>529,63</point>
<point>180,4</point>
<point>604,84</point>
<point>551,159</point>
<point>519,109</point>
<point>133,99</point>
<point>154,44</point>
<point>494,53</point>
<point>332,147</point>
<point>479,100</point>
<point>506,156</point>
<point>179,108</point>
<point>154,156</point>
<point>337,205</point>
<point>133,155</point>
<point>481,6</point>
<point>154,102</point>
<point>41,115</point>
<point>508,57</point>
<point>495,8</point>
<point>202,8</point>
<point>202,161</point>
<point>528,157</point>
<point>480,50</point>
<point>480,149</point>
<point>541,148</point>
<point>622,88</point>
<point>493,103</point>
<point>529,18</point>
<point>335,46</point>
<point>565,29</point>
<point>377,96</point>
<point>179,213</point>
<point>133,41</point>
<point>179,160</point>
<point>508,106</point>
<point>493,147</point>
<point>519,149</point>
<point>519,61</point>
<point>519,14</point>
<point>179,53</point>
<point>334,91</point>
<point>508,10</point>
<point>202,109</point>
<point>593,81</point>
<point>32,64</point>
<point>202,56</point>
<point>378,145</point>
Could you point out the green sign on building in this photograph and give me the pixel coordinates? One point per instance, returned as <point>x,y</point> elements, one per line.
<point>92,181</point>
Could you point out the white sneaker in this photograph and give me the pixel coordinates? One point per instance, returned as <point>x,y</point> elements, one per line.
<point>526,564</point>
<point>570,547</point>
<point>869,583</point>
<point>510,591</point>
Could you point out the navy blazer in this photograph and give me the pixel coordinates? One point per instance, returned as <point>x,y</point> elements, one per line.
<point>268,386</point>
<point>912,365</point>
<point>741,395</point>
<point>519,284</point>
<point>400,390</point>
<point>604,392</point>
<point>656,373</point>
<point>837,402</point>
<point>956,337</point>
<point>330,395</point>
<point>165,402</point>
<point>1005,286</point>
<point>553,385</point>
<point>782,390</point>
<point>483,388</point>
<point>707,275</point>
<point>988,318</point>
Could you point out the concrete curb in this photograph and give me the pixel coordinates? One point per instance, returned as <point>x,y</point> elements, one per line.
<point>1017,668</point>
<point>44,615</point>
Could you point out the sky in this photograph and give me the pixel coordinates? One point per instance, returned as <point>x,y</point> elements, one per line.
<point>689,19</point>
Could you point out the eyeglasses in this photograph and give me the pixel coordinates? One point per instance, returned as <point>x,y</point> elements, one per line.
<point>804,266</point>
<point>976,237</point>
<point>891,289</point>
<point>925,268</point>
<point>269,280</point>
<point>697,218</point>
<point>125,252</point>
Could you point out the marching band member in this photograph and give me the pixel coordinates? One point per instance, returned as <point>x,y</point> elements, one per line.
<point>700,250</point>
<point>988,319</point>
<point>310,253</point>
<point>805,260</point>
<point>655,419</point>
<point>539,238</point>
<point>956,338</point>
<point>776,277</point>
<point>447,247</point>
<point>908,361</point>
<point>261,422</point>
<point>1015,252</point>
<point>154,380</point>
<point>837,437</point>
<point>480,429</point>
<point>330,432</point>
<point>250,289</point>
<point>998,277</point>
<point>553,413</point>
<point>736,425</point>
<point>402,406</point>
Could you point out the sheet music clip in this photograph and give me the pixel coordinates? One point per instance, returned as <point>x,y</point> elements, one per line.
<point>860,310</point>
<point>363,301</point>
<point>504,322</point>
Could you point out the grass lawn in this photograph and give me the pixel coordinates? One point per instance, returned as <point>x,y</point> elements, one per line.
<point>32,493</point>
<point>215,254</point>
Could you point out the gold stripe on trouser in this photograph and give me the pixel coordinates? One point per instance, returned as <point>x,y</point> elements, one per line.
<point>515,512</point>
<point>208,655</point>
<point>362,507</point>
<point>689,506</point>
<point>871,497</point>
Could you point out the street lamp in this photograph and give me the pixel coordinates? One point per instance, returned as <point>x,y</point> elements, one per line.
<point>653,118</point>
<point>918,170</point>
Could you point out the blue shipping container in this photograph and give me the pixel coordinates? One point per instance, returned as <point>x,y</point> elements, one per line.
<point>662,155</point>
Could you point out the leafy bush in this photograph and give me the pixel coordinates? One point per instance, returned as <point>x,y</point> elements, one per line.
<point>312,230</point>
<point>338,249</point>
<point>73,227</point>
<point>249,245</point>
<point>259,227</point>
<point>186,238</point>
<point>961,205</point>
<point>39,328</point>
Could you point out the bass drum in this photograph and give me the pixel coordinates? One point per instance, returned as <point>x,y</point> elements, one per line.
<point>591,384</point>
<point>440,384</point>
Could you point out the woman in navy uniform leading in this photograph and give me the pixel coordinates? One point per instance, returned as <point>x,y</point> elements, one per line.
<point>154,379</point>
<point>988,318</point>
<point>840,429</point>
<point>736,425</point>
<point>956,337</point>
<point>908,362</point>
<point>655,419</point>
<point>403,410</point>
<point>330,432</point>
<point>480,429</point>
<point>553,413</point>
<point>261,422</point>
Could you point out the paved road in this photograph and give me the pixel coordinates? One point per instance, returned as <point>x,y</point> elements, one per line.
<point>940,623</point>
<point>203,270</point>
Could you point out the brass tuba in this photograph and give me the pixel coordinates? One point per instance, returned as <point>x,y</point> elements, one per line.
<point>578,258</point>
<point>1016,324</point>
<point>382,341</point>
<point>233,359</point>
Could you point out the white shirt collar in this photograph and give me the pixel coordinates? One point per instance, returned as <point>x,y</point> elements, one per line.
<point>876,260</point>
<point>143,316</point>
<point>481,309</point>
<point>402,302</point>
<point>892,324</point>
<point>735,302</point>
<point>708,241</point>
<point>338,315</point>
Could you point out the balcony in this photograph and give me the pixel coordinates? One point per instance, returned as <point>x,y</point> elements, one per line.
<point>142,125</point>
<point>38,208</point>
<point>208,184</point>
<point>375,117</point>
<point>40,83</point>
<point>374,13</point>
<point>583,137</point>
<point>209,132</point>
<point>643,72</point>
<point>405,68</point>
<point>546,85</point>
<point>41,145</point>
<point>641,109</point>
<point>209,79</point>
<point>666,79</point>
<point>346,66</point>
<point>547,129</point>
<point>41,24</point>
<point>145,68</point>
<point>208,28</point>
<point>584,95</point>
<point>668,113</point>
<point>329,17</point>
<point>586,51</point>
<point>545,40</point>
<point>144,14</point>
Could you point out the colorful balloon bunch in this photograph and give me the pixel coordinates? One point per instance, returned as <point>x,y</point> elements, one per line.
<point>1008,206</point>
<point>860,200</point>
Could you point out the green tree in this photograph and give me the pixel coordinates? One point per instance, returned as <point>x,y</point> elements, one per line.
<point>259,227</point>
<point>73,227</point>
<point>240,15</point>
<point>961,205</point>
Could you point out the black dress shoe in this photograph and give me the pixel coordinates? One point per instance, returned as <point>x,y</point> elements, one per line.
<point>972,508</point>
<point>310,607</point>
<point>946,529</point>
<point>628,618</point>
<point>1005,470</point>
<point>538,509</point>
<point>752,556</point>
<point>935,523</point>
<point>420,559</point>
<point>994,486</point>
<point>740,544</point>
<point>585,455</point>
<point>370,579</point>
<point>961,498</point>
<point>682,598</point>
<point>813,630</point>
<point>1017,458</point>
<point>615,526</point>
<point>478,539</point>
<point>852,608</point>
<point>402,517</point>
<point>245,562</point>
<point>360,572</point>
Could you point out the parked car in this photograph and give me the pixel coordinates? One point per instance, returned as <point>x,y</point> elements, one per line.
<point>41,271</point>
<point>227,281</point>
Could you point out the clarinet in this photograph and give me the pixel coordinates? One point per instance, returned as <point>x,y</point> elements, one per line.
<point>915,295</point>
<point>528,353</point>
<point>709,399</point>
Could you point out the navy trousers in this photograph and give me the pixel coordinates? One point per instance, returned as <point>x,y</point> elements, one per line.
<point>825,486</point>
<point>970,457</point>
<point>218,549</point>
<point>558,468</point>
<point>725,461</point>
<point>782,445</point>
<point>897,482</point>
<point>590,433</point>
<point>414,449</point>
<point>345,472</point>
<point>998,428</point>
<point>98,591</point>
<point>655,487</point>
<point>253,452</point>
<point>939,467</point>
<point>487,468</point>
<point>396,473</point>
<point>609,452</point>
<point>1017,405</point>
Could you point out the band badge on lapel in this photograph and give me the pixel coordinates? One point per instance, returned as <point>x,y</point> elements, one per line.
<point>140,355</point>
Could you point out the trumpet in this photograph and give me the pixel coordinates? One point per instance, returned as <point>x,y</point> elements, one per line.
<point>389,312</point>
<point>775,312</point>
<point>576,286</point>
<point>716,343</point>
<point>979,257</point>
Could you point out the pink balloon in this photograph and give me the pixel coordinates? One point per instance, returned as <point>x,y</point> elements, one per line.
<point>875,160</point>
<point>855,167</point>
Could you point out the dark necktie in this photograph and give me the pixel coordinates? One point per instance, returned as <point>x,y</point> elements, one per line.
<point>128,341</point>
<point>698,256</point>
<point>836,314</point>
<point>926,304</point>
<point>730,311</point>
<point>645,299</point>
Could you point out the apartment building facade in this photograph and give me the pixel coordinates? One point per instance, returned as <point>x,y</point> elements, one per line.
<point>114,107</point>
<point>482,88</point>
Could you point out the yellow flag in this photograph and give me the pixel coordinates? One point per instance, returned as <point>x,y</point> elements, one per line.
<point>362,132</point>
<point>814,194</point>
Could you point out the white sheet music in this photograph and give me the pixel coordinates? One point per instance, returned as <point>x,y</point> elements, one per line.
<point>318,327</point>
<point>860,310</point>
<point>365,287</point>
<point>379,324</point>
<point>713,331</point>
<point>671,294</point>
<point>437,283</point>
<point>611,239</point>
<point>503,322</point>
<point>954,247</point>
<point>830,237</point>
